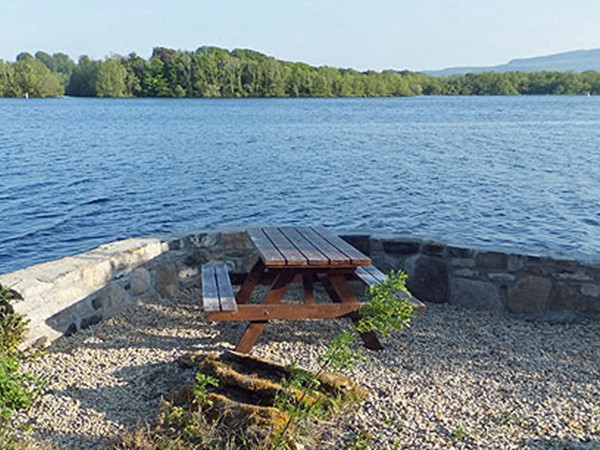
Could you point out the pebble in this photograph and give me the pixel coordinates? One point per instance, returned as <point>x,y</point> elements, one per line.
<point>456,379</point>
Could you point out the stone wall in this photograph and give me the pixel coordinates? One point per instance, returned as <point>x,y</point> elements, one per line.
<point>529,287</point>
<point>61,297</point>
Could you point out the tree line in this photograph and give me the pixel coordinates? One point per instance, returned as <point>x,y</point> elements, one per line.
<point>215,72</point>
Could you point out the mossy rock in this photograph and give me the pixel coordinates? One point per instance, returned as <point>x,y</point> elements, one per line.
<point>263,378</point>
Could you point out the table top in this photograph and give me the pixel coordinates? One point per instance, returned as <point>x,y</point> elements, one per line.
<point>303,247</point>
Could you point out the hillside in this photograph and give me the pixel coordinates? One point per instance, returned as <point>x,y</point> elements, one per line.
<point>573,61</point>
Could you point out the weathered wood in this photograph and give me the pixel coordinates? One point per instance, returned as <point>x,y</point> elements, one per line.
<point>356,257</point>
<point>267,250</point>
<point>312,254</point>
<point>335,256</point>
<point>250,282</point>
<point>254,329</point>
<point>292,255</point>
<point>210,291</point>
<point>345,295</point>
<point>226,297</point>
<point>365,276</point>
<point>293,311</point>
<point>371,275</point>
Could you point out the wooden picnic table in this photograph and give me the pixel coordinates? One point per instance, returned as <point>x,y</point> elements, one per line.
<point>289,254</point>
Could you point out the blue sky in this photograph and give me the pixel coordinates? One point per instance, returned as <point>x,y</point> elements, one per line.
<point>375,34</point>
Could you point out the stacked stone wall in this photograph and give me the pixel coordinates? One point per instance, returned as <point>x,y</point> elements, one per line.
<point>61,297</point>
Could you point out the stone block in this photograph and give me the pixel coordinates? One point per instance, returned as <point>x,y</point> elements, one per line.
<point>401,246</point>
<point>514,263</point>
<point>113,299</point>
<point>97,274</point>
<point>166,281</point>
<point>140,281</point>
<point>574,275</point>
<point>591,290</point>
<point>529,294</point>
<point>501,277</point>
<point>593,305</point>
<point>460,253</point>
<point>462,262</point>
<point>566,298</point>
<point>429,279</point>
<point>474,294</point>
<point>234,240</point>
<point>361,241</point>
<point>536,265</point>
<point>492,260</point>
<point>466,273</point>
<point>432,248</point>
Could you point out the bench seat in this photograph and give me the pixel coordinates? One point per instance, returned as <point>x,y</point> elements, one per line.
<point>217,292</point>
<point>371,275</point>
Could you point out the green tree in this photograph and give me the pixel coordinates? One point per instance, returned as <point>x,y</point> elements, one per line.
<point>83,80</point>
<point>33,78</point>
<point>111,79</point>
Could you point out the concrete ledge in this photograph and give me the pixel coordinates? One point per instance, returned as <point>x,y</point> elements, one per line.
<point>63,296</point>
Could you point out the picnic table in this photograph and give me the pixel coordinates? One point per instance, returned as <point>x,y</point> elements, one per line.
<point>292,254</point>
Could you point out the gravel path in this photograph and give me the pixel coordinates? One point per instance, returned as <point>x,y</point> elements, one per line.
<point>456,379</point>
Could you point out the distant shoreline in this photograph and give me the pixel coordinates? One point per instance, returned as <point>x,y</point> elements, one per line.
<point>211,72</point>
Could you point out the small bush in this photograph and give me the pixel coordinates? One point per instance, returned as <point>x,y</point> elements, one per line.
<point>17,388</point>
<point>12,324</point>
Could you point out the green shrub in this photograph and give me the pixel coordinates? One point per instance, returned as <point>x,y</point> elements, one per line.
<point>12,324</point>
<point>17,388</point>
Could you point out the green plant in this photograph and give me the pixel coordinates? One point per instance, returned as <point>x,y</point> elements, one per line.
<point>386,311</point>
<point>15,387</point>
<point>12,324</point>
<point>200,388</point>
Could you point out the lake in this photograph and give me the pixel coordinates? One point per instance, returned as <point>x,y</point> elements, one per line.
<point>516,173</point>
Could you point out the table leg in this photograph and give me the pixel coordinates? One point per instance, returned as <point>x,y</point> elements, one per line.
<point>254,329</point>
<point>340,292</point>
<point>253,278</point>
<point>307,283</point>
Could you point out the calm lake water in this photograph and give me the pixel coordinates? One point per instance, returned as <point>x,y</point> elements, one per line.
<point>518,173</point>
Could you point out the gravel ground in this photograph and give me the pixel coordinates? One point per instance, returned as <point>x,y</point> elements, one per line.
<point>457,379</point>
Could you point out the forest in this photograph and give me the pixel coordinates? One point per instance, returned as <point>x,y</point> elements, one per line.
<point>214,72</point>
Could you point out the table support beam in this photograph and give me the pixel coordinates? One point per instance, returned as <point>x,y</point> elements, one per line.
<point>254,329</point>
<point>340,292</point>
<point>253,278</point>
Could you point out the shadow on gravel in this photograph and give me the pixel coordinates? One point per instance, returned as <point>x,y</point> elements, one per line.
<point>507,359</point>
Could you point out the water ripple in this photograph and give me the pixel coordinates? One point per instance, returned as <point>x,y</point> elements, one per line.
<point>503,172</point>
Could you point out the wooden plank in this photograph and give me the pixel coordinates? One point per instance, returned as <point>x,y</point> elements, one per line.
<point>226,297</point>
<point>371,275</point>
<point>254,329</point>
<point>417,304</point>
<point>310,252</point>
<point>356,257</point>
<point>376,273</point>
<point>267,250</point>
<point>335,256</point>
<point>365,276</point>
<point>292,255</point>
<point>344,294</point>
<point>210,292</point>
<point>296,311</point>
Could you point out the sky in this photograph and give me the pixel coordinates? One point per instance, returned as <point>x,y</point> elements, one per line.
<point>374,34</point>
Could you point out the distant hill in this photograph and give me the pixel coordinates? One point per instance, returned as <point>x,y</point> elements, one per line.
<point>574,61</point>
